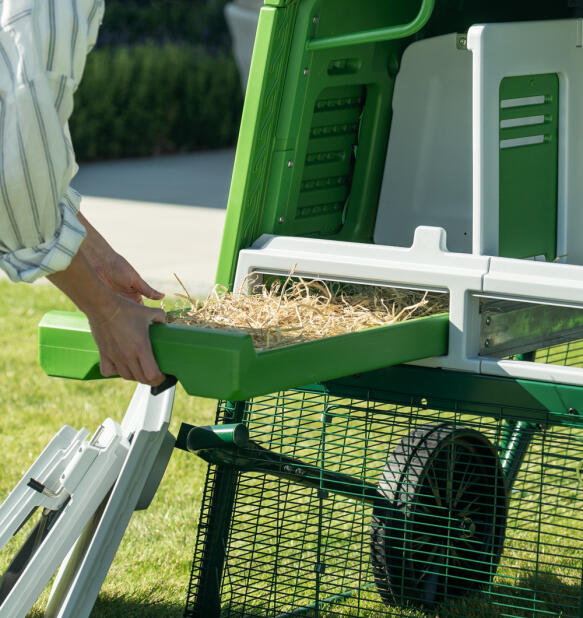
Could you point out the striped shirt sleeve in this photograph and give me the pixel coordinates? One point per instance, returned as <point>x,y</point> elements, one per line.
<point>43,47</point>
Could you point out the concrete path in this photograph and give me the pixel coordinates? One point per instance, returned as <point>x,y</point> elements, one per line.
<point>164,214</point>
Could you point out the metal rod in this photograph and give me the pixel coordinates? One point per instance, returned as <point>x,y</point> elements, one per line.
<point>390,33</point>
<point>516,439</point>
<point>208,600</point>
<point>256,458</point>
<point>340,596</point>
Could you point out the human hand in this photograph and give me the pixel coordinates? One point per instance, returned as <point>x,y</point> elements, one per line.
<point>120,326</point>
<point>113,269</point>
<point>118,274</point>
<point>124,343</point>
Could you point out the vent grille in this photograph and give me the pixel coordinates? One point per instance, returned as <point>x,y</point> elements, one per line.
<point>329,164</point>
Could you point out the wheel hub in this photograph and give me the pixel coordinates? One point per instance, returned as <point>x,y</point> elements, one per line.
<point>467,527</point>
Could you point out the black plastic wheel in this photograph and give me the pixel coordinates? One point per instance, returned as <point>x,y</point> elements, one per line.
<point>438,527</point>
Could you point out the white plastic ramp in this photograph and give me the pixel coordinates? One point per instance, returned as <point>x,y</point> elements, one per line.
<point>88,489</point>
<point>81,576</point>
<point>70,479</point>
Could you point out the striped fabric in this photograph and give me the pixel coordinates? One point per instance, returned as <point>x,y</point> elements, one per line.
<point>43,46</point>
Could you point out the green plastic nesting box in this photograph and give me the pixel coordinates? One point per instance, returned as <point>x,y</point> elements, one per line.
<point>225,365</point>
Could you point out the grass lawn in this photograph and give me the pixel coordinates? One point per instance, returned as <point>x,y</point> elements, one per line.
<point>149,575</point>
<point>279,529</point>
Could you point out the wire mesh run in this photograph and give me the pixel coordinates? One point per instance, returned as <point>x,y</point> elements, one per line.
<point>569,354</point>
<point>349,507</point>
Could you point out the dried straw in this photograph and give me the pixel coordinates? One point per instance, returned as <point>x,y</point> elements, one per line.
<point>299,310</point>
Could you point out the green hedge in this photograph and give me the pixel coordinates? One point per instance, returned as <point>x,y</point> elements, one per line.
<point>149,99</point>
<point>197,22</point>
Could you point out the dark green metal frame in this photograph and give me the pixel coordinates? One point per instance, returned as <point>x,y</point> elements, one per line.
<point>523,406</point>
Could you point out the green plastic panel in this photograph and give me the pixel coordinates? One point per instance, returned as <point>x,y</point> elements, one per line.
<point>225,365</point>
<point>315,124</point>
<point>528,171</point>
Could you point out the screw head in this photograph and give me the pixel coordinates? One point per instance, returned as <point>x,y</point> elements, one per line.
<point>306,72</point>
<point>316,20</point>
<point>281,220</point>
<point>461,41</point>
<point>290,163</point>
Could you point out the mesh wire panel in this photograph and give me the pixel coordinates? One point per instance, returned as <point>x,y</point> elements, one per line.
<point>363,508</point>
<point>569,354</point>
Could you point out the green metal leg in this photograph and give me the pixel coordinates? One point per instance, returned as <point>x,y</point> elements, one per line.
<point>516,438</point>
<point>208,601</point>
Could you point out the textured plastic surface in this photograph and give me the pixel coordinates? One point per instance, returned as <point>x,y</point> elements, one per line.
<point>225,365</point>
<point>314,128</point>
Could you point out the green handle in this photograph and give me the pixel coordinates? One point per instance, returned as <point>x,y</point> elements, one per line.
<point>389,33</point>
<point>193,439</point>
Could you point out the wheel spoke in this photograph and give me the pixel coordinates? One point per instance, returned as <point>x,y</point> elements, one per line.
<point>466,481</point>
<point>467,508</point>
<point>449,475</point>
<point>433,560</point>
<point>433,484</point>
<point>468,544</point>
<point>424,539</point>
<point>432,582</point>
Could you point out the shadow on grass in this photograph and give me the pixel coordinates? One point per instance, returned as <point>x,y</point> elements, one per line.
<point>116,607</point>
<point>548,595</point>
<point>532,594</point>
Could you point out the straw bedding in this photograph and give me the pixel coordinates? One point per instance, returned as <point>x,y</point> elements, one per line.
<point>296,310</point>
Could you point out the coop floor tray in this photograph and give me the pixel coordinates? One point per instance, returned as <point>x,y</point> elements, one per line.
<point>225,365</point>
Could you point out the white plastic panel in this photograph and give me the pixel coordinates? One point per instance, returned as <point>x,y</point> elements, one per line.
<point>428,171</point>
<point>426,264</point>
<point>529,48</point>
<point>539,281</point>
<point>78,582</point>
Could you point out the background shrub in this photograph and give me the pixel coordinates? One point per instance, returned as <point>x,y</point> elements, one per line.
<point>148,90</point>
<point>197,22</point>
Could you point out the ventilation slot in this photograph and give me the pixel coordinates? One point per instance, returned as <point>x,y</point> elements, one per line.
<point>523,120</point>
<point>522,141</point>
<point>329,163</point>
